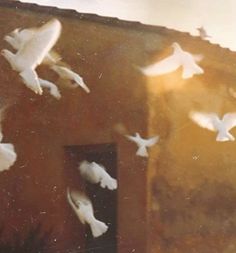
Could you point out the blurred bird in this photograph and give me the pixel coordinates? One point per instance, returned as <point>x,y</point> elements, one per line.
<point>179,58</point>
<point>83,208</point>
<point>7,153</point>
<point>68,74</point>
<point>53,89</point>
<point>143,144</point>
<point>32,53</point>
<point>96,173</point>
<point>212,122</point>
<point>202,33</point>
<point>19,37</point>
<point>7,156</point>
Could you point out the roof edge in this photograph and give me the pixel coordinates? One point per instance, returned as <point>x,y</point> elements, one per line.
<point>136,25</point>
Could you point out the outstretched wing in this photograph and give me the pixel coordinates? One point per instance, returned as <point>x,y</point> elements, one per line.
<point>205,120</point>
<point>30,79</point>
<point>53,89</point>
<point>164,66</point>
<point>229,120</point>
<point>132,138</point>
<point>7,156</point>
<point>152,141</point>
<point>35,49</point>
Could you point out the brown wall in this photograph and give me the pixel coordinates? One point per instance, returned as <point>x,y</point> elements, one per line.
<point>191,177</point>
<point>33,190</point>
<point>182,198</point>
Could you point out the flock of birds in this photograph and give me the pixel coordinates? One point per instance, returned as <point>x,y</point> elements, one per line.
<point>34,46</point>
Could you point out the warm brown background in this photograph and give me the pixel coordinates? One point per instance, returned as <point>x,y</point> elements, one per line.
<point>182,198</point>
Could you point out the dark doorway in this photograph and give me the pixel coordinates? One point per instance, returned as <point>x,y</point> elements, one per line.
<point>104,201</point>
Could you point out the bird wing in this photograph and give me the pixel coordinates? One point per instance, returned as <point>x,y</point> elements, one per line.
<point>79,80</point>
<point>229,120</point>
<point>30,79</point>
<point>205,120</point>
<point>73,203</point>
<point>132,138</point>
<point>152,141</point>
<point>52,57</point>
<point>54,91</point>
<point>7,156</point>
<point>105,179</point>
<point>164,66</point>
<point>89,172</point>
<point>35,49</point>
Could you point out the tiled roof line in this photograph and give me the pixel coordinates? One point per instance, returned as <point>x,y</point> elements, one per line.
<point>52,10</point>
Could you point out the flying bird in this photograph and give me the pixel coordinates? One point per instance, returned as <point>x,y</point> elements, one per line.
<point>53,89</point>
<point>212,122</point>
<point>179,58</point>
<point>32,53</point>
<point>96,173</point>
<point>7,152</point>
<point>68,74</point>
<point>7,156</point>
<point>19,37</point>
<point>202,33</point>
<point>143,144</point>
<point>83,208</point>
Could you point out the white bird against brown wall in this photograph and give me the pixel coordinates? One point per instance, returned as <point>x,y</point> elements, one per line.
<point>7,152</point>
<point>142,144</point>
<point>33,52</point>
<point>212,122</point>
<point>179,58</point>
<point>68,74</point>
<point>83,208</point>
<point>19,37</point>
<point>7,156</point>
<point>96,173</point>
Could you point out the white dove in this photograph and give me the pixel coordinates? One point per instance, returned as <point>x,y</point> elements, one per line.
<point>7,153</point>
<point>7,156</point>
<point>19,37</point>
<point>179,58</point>
<point>53,89</point>
<point>96,173</point>
<point>68,74</point>
<point>212,122</point>
<point>143,144</point>
<point>83,208</point>
<point>202,33</point>
<point>32,53</point>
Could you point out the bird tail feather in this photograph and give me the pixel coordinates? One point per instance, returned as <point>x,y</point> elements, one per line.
<point>142,151</point>
<point>225,137</point>
<point>98,228</point>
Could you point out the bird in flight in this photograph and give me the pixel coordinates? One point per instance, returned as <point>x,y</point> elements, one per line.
<point>142,143</point>
<point>96,173</point>
<point>83,208</point>
<point>68,74</point>
<point>32,52</point>
<point>212,122</point>
<point>179,58</point>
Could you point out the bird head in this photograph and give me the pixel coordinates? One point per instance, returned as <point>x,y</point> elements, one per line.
<point>7,54</point>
